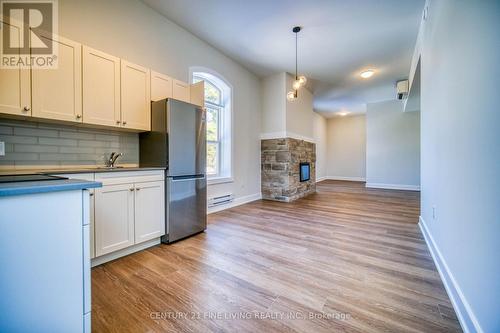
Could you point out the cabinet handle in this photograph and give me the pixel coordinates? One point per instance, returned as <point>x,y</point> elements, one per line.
<point>138,189</point>
<point>91,194</point>
<point>26,108</point>
<point>124,122</point>
<point>78,116</point>
<point>131,189</point>
<point>118,121</point>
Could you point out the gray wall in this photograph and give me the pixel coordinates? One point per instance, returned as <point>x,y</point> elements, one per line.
<point>392,145</point>
<point>346,147</point>
<point>460,121</point>
<point>44,145</point>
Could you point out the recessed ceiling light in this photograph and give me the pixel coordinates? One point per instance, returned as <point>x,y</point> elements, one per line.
<point>367,74</point>
<point>343,113</point>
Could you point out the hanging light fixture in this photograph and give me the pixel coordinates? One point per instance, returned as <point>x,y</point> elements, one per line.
<point>299,80</point>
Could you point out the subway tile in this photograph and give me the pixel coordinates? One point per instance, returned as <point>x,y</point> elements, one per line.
<point>17,139</point>
<point>92,143</point>
<point>35,132</point>
<point>58,157</point>
<point>6,129</point>
<point>9,147</point>
<point>79,162</point>
<point>107,137</point>
<point>57,142</point>
<point>20,148</point>
<point>76,135</point>
<point>20,157</point>
<point>77,150</point>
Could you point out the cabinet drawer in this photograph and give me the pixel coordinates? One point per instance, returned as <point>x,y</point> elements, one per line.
<point>128,177</point>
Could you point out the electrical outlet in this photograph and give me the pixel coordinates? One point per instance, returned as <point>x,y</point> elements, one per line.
<point>433,212</point>
<point>2,148</point>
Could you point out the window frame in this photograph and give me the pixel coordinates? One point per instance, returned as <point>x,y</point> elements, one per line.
<point>224,144</point>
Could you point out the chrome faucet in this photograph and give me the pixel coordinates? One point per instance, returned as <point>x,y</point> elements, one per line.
<point>112,159</point>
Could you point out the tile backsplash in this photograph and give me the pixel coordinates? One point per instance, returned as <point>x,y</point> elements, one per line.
<point>35,144</point>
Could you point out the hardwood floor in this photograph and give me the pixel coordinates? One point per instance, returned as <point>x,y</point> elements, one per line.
<point>345,259</point>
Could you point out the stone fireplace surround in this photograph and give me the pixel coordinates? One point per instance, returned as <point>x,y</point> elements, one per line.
<point>280,169</point>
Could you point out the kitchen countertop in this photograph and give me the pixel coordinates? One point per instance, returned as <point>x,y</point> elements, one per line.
<point>43,186</point>
<point>73,170</point>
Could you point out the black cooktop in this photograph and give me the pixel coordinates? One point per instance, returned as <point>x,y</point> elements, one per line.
<point>27,178</point>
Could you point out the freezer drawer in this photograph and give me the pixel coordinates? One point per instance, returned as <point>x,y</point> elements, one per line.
<point>186,208</point>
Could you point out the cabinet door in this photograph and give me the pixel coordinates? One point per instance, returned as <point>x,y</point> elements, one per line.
<point>161,86</point>
<point>101,88</point>
<point>14,83</point>
<point>135,96</point>
<point>114,218</point>
<point>181,91</point>
<point>198,93</point>
<point>57,93</point>
<point>149,210</point>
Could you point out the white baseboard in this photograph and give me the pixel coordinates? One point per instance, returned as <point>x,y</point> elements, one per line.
<point>465,315</point>
<point>321,179</point>
<point>124,252</point>
<point>394,186</point>
<point>236,202</point>
<point>350,179</point>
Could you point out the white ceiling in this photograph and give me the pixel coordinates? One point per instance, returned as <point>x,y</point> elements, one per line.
<point>339,39</point>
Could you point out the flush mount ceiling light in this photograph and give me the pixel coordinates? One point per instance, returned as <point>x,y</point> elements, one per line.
<point>299,80</point>
<point>366,74</point>
<point>342,114</point>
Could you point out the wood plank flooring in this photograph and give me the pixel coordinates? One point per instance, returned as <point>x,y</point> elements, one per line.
<point>345,259</point>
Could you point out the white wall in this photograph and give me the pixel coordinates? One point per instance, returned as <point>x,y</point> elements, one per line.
<point>299,113</point>
<point>392,146</point>
<point>460,123</point>
<point>320,137</point>
<point>131,30</point>
<point>346,148</point>
<point>282,118</point>
<point>273,119</point>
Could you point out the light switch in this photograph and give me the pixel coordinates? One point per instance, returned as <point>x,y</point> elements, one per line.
<point>2,148</point>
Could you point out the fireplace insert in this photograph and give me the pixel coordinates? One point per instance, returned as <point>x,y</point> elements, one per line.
<point>305,173</point>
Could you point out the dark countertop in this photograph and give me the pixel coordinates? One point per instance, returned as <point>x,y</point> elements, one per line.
<point>73,170</point>
<point>43,186</point>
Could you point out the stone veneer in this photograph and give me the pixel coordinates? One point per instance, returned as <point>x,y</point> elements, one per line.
<point>280,160</point>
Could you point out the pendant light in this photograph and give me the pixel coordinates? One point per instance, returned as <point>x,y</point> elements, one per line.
<point>299,80</point>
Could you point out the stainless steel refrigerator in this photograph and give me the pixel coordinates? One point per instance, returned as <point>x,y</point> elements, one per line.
<point>177,141</point>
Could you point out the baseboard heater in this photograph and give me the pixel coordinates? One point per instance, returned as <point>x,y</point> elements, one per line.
<point>220,200</point>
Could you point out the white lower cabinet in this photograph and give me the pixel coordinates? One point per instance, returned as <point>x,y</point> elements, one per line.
<point>128,209</point>
<point>149,211</point>
<point>114,218</point>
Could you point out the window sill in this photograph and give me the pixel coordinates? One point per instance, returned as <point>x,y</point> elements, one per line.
<point>219,180</point>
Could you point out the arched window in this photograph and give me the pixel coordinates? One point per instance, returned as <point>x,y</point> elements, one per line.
<point>218,108</point>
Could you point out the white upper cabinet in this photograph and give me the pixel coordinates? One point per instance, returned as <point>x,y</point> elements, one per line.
<point>15,95</point>
<point>149,210</point>
<point>135,96</point>
<point>57,93</point>
<point>161,86</point>
<point>101,88</point>
<point>181,91</point>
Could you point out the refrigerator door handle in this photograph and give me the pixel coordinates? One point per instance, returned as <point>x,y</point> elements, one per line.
<point>187,178</point>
